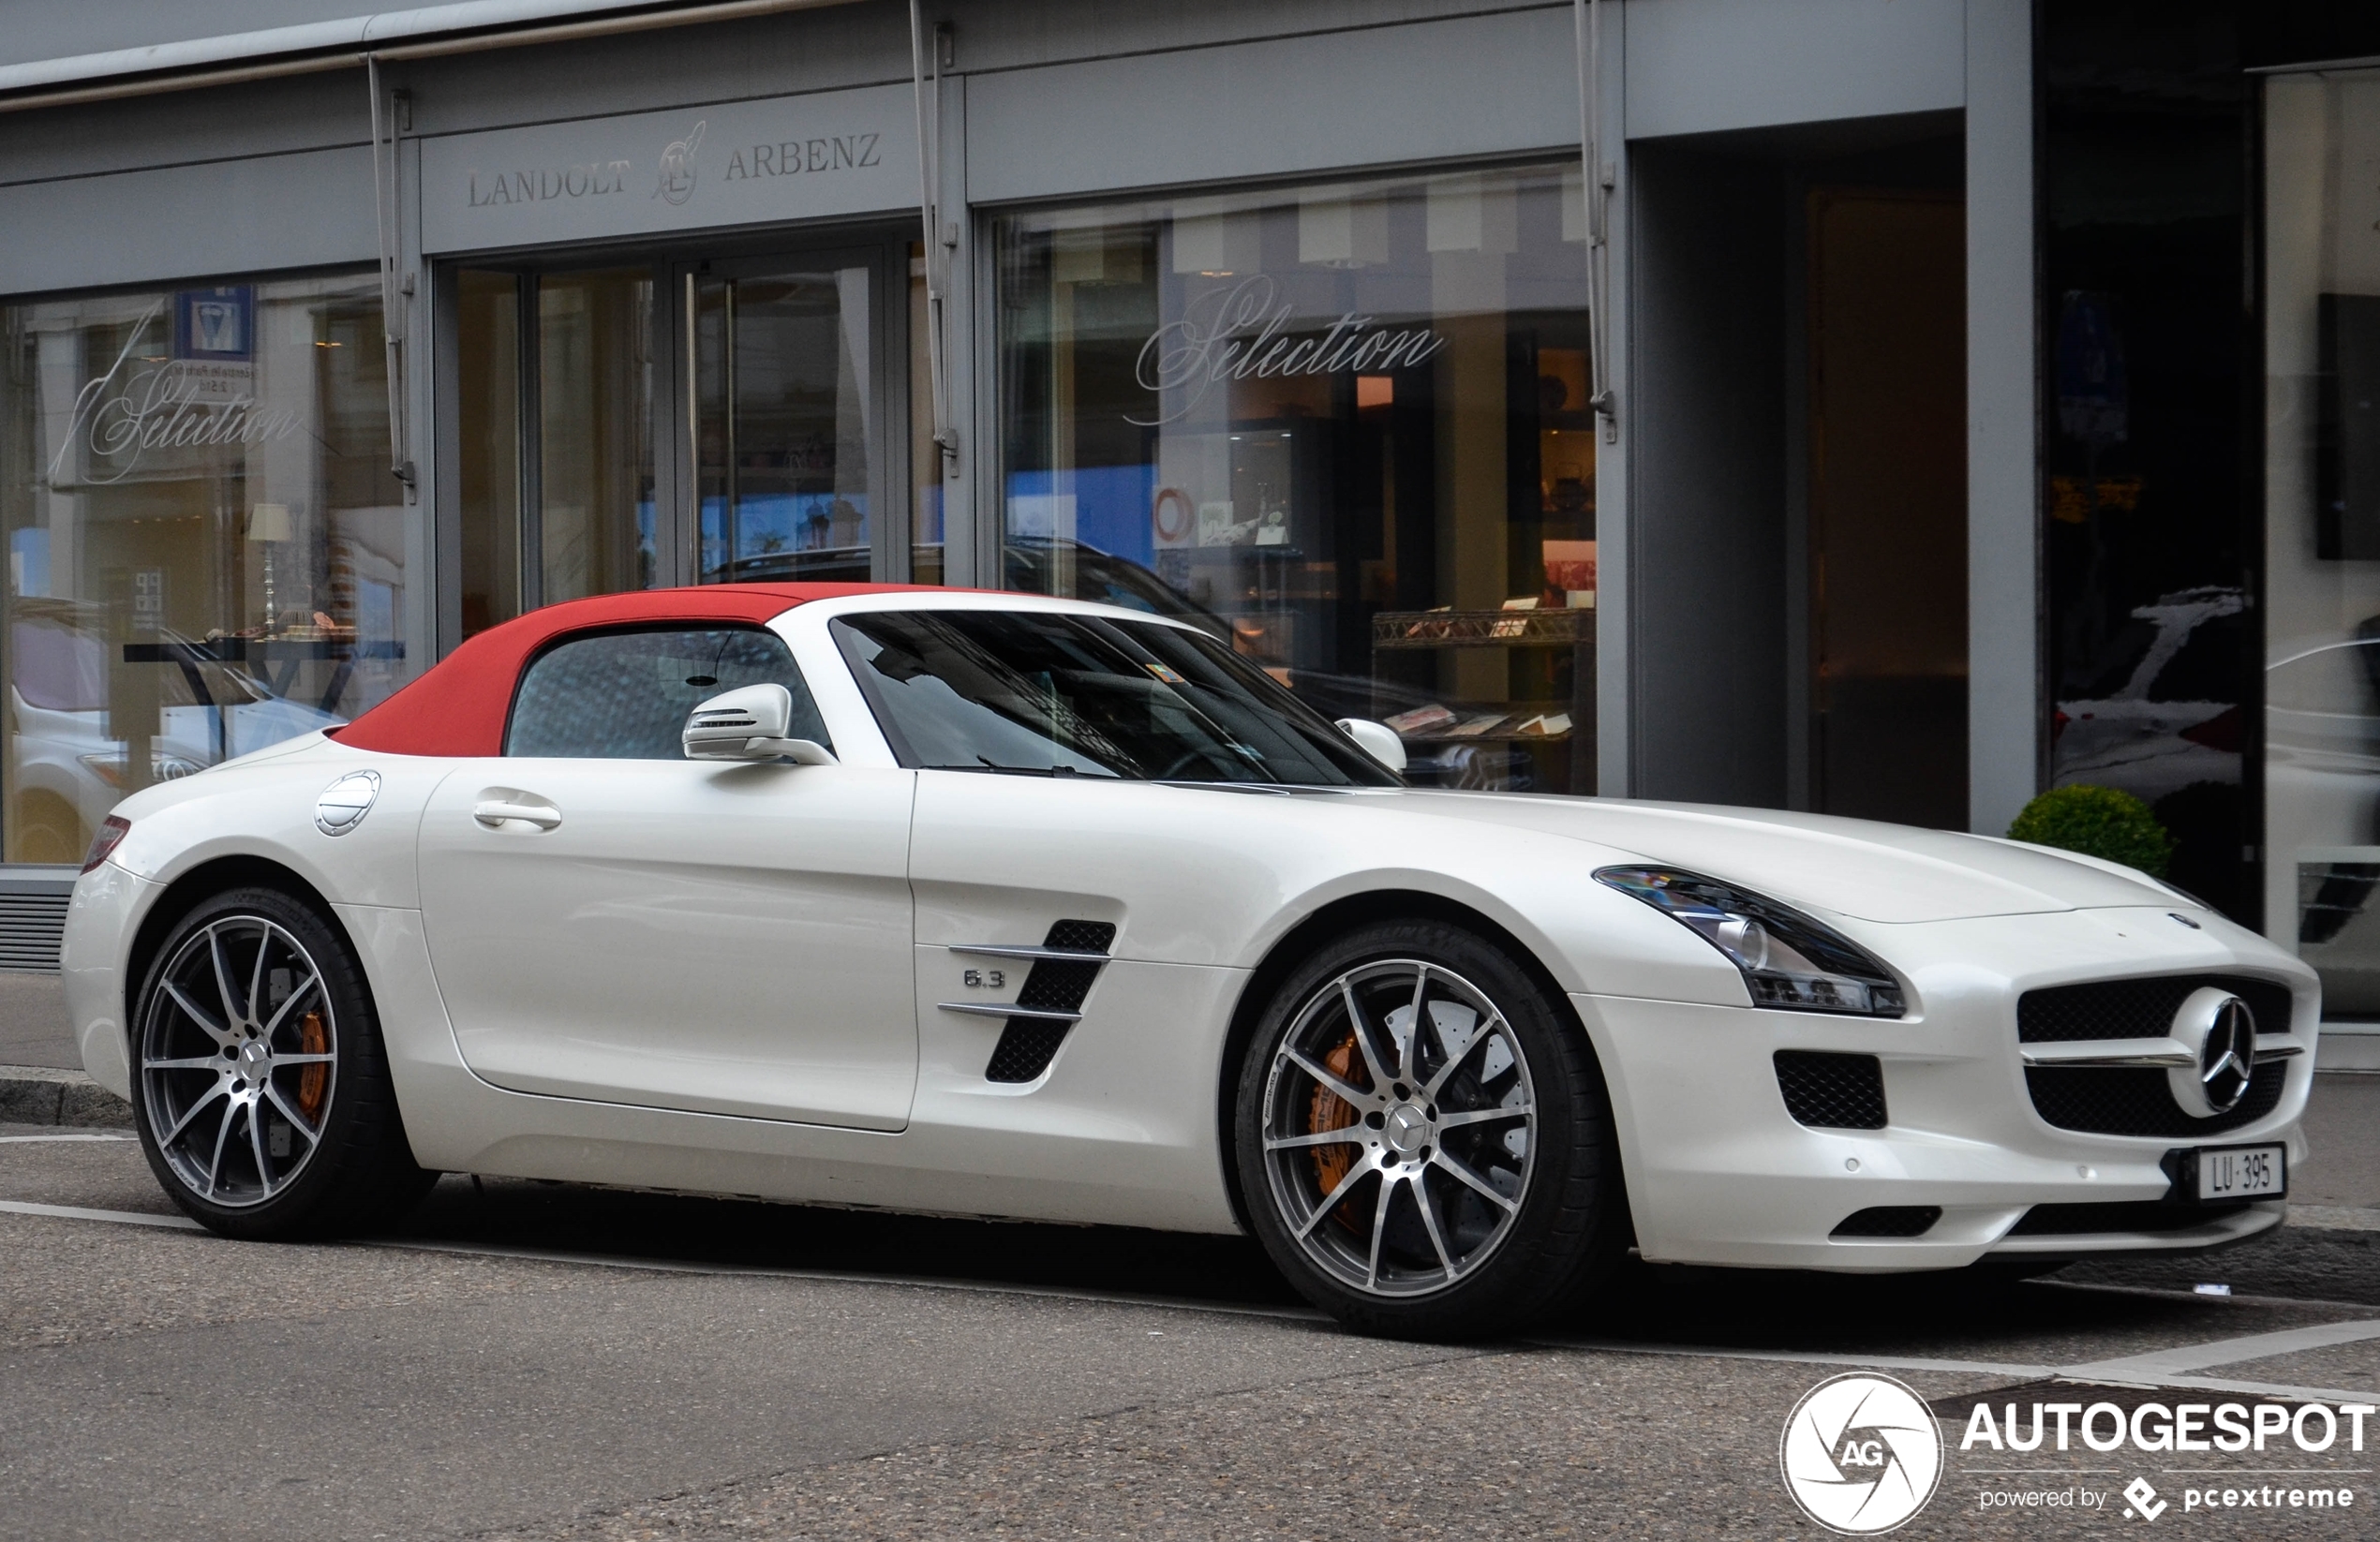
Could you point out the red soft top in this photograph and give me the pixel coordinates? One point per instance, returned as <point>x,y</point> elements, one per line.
<point>458,706</point>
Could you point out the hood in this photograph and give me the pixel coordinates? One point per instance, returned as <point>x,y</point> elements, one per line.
<point>1851,866</point>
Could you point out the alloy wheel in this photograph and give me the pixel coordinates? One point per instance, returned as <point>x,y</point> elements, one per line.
<point>1399,1127</point>
<point>239,1061</point>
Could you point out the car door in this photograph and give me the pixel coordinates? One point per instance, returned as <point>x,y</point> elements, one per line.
<point>611,921</point>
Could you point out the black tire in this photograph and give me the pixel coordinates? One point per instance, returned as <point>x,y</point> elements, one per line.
<point>1436,1258</point>
<point>238,1057</point>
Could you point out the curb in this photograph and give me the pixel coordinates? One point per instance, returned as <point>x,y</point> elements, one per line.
<point>38,1095</point>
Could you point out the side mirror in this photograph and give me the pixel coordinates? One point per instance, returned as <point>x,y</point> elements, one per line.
<point>1378,740</point>
<point>750,724</point>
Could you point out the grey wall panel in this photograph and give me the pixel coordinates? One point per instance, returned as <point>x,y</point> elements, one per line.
<point>650,71</point>
<point>226,122</point>
<point>1483,85</point>
<point>224,217</point>
<point>47,29</point>
<point>1698,66</point>
<point>1706,508</point>
<point>2005,749</point>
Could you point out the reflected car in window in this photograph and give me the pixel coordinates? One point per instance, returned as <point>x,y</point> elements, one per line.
<point>1038,908</point>
<point>2158,709</point>
<point>69,769</point>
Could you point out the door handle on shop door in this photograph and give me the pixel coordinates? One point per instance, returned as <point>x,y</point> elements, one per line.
<point>493,812</point>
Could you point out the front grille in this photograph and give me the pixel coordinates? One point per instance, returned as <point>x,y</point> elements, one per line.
<point>2137,1100</point>
<point>2115,1215</point>
<point>1831,1092</point>
<point>1027,1044</point>
<point>1889,1221</point>
<point>2138,1009</point>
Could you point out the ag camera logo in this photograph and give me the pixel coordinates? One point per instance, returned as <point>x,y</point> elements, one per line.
<point>1861,1454</point>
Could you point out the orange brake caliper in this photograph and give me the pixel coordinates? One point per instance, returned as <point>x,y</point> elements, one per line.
<point>1330,1111</point>
<point>314,1081</point>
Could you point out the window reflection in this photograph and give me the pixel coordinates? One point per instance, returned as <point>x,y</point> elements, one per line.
<point>1344,428</point>
<point>2322,624</point>
<point>206,546</point>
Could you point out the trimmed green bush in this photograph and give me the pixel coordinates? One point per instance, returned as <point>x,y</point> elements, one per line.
<point>2097,821</point>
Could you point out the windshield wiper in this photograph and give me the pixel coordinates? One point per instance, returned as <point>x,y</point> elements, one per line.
<point>993,767</point>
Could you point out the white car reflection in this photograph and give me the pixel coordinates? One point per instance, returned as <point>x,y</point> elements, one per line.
<point>69,767</point>
<point>2322,782</point>
<point>2162,712</point>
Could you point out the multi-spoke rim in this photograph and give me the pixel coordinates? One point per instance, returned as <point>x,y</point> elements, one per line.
<point>239,1061</point>
<point>1398,1158</point>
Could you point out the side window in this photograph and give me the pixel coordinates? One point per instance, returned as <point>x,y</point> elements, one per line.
<point>624,695</point>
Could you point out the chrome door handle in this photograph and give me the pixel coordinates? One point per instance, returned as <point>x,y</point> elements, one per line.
<point>493,812</point>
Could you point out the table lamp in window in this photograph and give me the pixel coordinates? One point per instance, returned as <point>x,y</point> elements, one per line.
<point>269,526</point>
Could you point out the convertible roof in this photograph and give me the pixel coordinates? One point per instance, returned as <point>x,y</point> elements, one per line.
<point>458,706</point>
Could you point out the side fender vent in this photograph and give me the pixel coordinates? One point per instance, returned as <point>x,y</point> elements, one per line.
<point>1028,1045</point>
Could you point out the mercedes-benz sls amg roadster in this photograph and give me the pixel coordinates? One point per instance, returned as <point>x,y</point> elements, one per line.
<point>995,905</point>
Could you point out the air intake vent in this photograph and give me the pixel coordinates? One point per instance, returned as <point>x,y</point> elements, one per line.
<point>2117,1215</point>
<point>1889,1221</point>
<point>1832,1091</point>
<point>1082,936</point>
<point>33,919</point>
<point>2138,1009</point>
<point>1028,1045</point>
<point>2140,1101</point>
<point>1025,1048</point>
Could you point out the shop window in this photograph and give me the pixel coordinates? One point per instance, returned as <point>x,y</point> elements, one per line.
<point>2322,552</point>
<point>206,544</point>
<point>1342,428</point>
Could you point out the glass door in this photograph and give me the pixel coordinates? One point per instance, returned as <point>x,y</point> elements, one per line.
<point>636,423</point>
<point>556,467</point>
<point>786,417</point>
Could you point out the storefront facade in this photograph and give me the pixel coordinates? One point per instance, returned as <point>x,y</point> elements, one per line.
<point>1735,471</point>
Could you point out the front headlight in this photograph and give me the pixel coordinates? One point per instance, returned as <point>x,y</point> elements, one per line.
<point>1788,959</point>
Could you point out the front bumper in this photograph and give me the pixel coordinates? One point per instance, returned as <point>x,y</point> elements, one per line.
<point>1719,1172</point>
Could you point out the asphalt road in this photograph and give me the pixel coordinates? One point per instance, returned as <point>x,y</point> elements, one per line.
<point>540,1361</point>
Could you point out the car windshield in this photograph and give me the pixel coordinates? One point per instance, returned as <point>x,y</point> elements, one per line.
<point>1049,694</point>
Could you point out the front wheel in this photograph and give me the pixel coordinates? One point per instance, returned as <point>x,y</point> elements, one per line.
<point>259,1085</point>
<point>1424,1137</point>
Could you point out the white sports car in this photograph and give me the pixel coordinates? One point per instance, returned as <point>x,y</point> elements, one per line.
<point>984,903</point>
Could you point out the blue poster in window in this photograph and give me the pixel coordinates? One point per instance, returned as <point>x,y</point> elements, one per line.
<point>215,324</point>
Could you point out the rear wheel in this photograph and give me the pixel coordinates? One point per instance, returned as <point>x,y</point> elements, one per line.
<point>259,1085</point>
<point>1424,1137</point>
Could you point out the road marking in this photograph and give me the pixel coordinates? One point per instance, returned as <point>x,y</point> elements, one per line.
<point>2155,1293</point>
<point>914,1282</point>
<point>10,1140</point>
<point>1800,1356</point>
<point>2167,1368</point>
<point>2024,1372</point>
<point>666,1266</point>
<point>2255,1346</point>
<point>76,1212</point>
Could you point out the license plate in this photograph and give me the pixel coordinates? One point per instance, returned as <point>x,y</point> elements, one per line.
<point>2244,1172</point>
